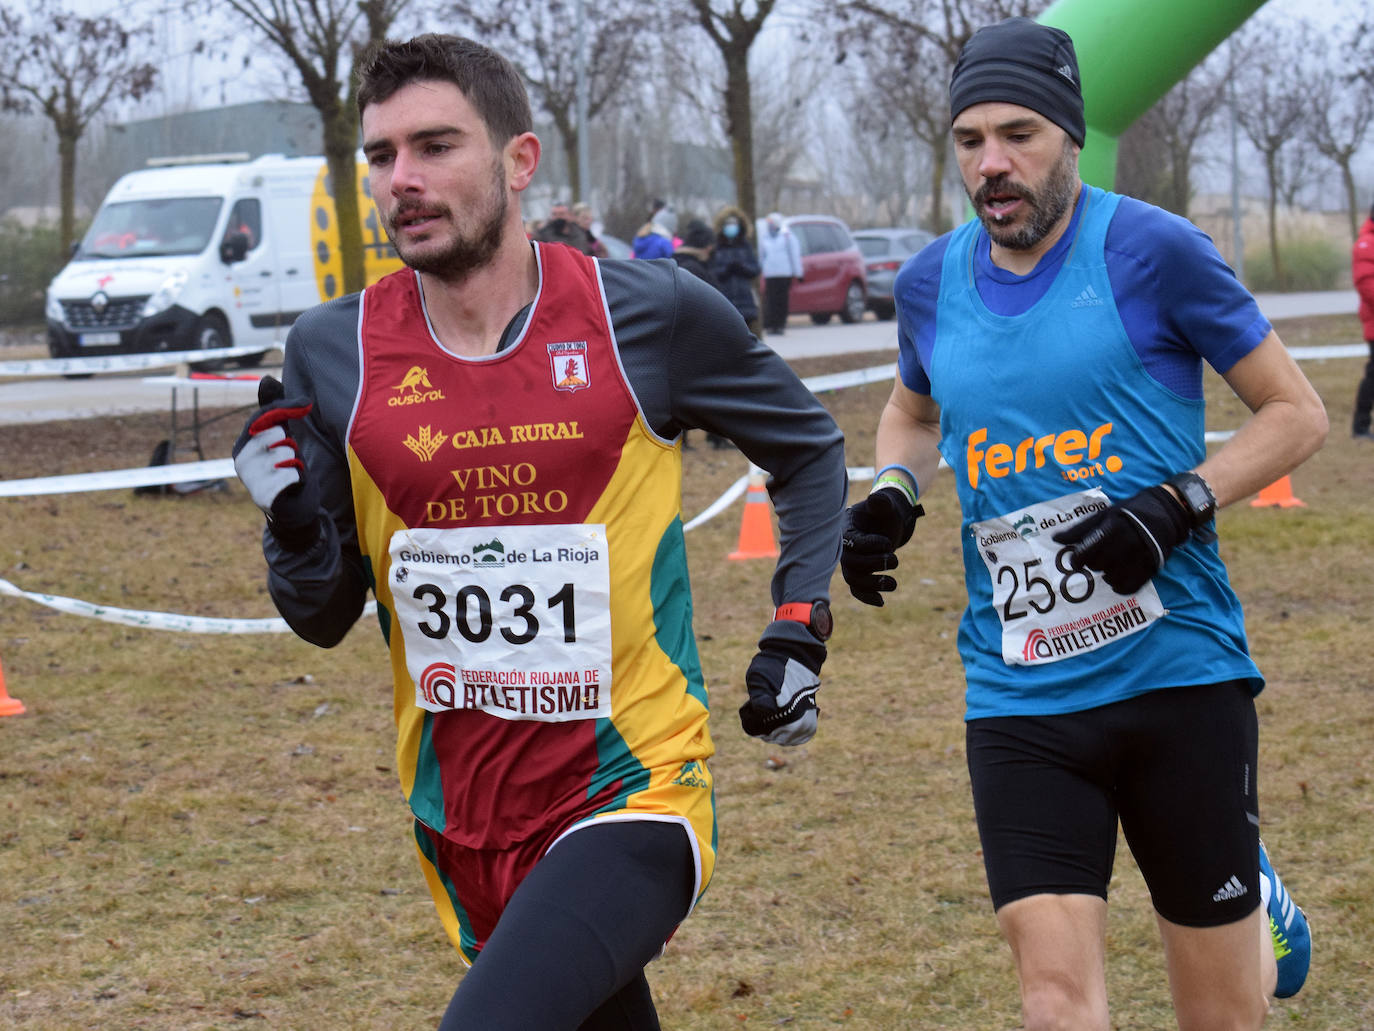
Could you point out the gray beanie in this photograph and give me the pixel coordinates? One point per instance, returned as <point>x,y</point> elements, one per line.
<point>1020,61</point>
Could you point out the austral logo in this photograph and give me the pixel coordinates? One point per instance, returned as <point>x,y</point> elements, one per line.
<point>415,388</point>
<point>568,363</point>
<point>425,443</point>
<point>692,775</point>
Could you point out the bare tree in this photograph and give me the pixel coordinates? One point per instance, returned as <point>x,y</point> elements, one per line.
<point>784,114</point>
<point>1342,108</point>
<point>733,31</point>
<point>910,49</point>
<point>542,45</point>
<point>69,68</point>
<point>1156,156</point>
<point>322,40</point>
<point>1273,112</point>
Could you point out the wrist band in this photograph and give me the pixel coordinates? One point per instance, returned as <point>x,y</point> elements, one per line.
<point>908,486</point>
<point>883,482</point>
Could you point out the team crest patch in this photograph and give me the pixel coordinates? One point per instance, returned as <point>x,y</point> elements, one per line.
<point>568,363</point>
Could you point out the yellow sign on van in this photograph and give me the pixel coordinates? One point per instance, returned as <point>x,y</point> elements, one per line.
<point>379,257</point>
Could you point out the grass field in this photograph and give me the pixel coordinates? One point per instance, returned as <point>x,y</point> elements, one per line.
<point>207,832</point>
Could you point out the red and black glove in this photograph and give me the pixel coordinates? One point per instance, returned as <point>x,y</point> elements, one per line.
<point>266,461</point>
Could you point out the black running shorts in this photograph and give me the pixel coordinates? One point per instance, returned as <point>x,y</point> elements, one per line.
<point>1175,766</point>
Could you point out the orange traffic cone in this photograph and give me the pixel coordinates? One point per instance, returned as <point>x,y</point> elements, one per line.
<point>756,529</point>
<point>8,706</point>
<point>1279,493</point>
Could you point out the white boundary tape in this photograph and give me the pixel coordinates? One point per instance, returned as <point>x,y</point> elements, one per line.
<point>156,620</point>
<point>144,476</point>
<point>125,362</point>
<point>224,468</point>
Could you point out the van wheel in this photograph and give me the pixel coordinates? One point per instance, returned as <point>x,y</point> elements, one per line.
<point>212,332</point>
<point>820,318</point>
<point>855,303</point>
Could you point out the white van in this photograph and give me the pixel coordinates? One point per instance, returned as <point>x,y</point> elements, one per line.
<point>201,254</point>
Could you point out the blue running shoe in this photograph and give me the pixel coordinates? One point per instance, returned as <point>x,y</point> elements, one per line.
<point>1288,926</point>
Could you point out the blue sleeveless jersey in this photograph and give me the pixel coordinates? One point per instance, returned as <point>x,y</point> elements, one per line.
<point>1054,401</point>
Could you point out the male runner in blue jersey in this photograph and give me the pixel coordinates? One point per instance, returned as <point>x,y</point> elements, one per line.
<point>1051,350</point>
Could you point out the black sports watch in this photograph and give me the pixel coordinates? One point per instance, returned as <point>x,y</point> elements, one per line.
<point>816,616</point>
<point>1196,495</point>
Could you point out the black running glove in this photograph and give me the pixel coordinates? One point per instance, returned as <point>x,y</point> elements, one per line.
<point>783,679</point>
<point>873,531</point>
<point>1129,542</point>
<point>266,462</point>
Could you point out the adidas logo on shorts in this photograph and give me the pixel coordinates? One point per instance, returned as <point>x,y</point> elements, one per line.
<point>1232,889</point>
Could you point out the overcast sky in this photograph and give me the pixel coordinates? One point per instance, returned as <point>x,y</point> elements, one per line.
<point>192,80</point>
<point>199,81</point>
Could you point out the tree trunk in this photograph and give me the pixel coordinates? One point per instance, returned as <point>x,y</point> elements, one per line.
<point>939,220</point>
<point>340,152</point>
<point>1352,205</point>
<point>1179,186</point>
<point>66,152</point>
<point>1270,163</point>
<point>574,166</point>
<point>739,118</point>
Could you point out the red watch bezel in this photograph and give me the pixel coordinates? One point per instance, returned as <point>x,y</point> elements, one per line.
<point>814,614</point>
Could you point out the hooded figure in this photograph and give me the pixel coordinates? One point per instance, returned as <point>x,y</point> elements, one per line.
<point>735,264</point>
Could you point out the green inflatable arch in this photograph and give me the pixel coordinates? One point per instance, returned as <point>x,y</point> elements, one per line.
<point>1130,52</point>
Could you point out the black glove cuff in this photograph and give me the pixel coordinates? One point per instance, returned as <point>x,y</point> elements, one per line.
<point>1179,519</point>
<point>905,511</point>
<point>809,654</point>
<point>297,538</point>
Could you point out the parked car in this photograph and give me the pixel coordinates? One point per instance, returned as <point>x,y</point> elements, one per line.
<point>834,281</point>
<point>884,251</point>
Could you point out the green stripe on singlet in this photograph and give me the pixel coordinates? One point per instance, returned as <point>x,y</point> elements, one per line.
<point>427,790</point>
<point>465,931</point>
<point>671,595</point>
<point>670,590</point>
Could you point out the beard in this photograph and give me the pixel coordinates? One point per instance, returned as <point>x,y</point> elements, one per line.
<point>1047,204</point>
<point>465,252</point>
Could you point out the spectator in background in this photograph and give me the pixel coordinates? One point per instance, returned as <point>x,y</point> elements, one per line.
<point>780,257</point>
<point>560,228</point>
<point>693,255</point>
<point>694,252</point>
<point>1362,271</point>
<point>654,239</point>
<point>585,217</point>
<point>663,213</point>
<point>735,265</point>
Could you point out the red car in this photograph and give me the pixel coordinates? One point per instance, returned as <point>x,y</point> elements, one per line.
<point>835,281</point>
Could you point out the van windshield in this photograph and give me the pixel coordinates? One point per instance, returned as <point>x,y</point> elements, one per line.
<point>144,228</point>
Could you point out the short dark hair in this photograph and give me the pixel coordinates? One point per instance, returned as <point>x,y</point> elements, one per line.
<point>489,81</point>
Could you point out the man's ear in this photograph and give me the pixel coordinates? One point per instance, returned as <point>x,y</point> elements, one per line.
<point>521,159</point>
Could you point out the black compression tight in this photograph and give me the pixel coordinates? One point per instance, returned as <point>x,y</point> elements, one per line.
<point>569,951</point>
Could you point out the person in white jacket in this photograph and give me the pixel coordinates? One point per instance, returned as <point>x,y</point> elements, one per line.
<point>780,260</point>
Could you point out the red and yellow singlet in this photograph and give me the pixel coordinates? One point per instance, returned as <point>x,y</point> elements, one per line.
<point>522,525</point>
